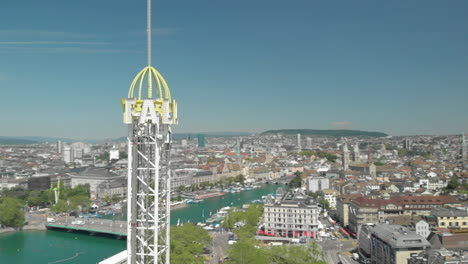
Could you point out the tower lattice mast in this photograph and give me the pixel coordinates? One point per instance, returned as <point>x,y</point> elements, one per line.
<point>149,120</point>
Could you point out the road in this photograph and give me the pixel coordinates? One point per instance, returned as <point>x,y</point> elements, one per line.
<point>332,249</point>
<point>105,225</point>
<point>219,246</point>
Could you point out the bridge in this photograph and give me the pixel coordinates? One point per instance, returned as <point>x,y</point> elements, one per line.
<point>89,225</point>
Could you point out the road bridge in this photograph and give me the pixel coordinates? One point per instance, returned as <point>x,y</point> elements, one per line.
<point>89,225</point>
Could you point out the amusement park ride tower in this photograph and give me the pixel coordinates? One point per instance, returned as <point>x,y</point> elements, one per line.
<point>149,115</point>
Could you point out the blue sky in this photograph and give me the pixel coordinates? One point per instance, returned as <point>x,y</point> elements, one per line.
<point>399,66</point>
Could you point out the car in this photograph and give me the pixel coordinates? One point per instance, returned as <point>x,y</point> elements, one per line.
<point>77,222</point>
<point>50,220</point>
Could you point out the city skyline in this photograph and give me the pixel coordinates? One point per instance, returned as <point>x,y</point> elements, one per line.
<point>398,68</point>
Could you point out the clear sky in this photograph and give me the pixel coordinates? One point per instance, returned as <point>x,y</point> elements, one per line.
<point>398,66</point>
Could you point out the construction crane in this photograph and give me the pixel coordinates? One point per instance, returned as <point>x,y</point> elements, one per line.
<point>57,189</point>
<point>149,115</point>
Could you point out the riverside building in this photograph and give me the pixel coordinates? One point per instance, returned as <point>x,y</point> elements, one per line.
<point>292,215</point>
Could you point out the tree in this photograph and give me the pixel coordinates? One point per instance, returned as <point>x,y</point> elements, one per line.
<point>37,198</point>
<point>452,184</point>
<point>293,254</point>
<point>239,178</point>
<point>314,195</point>
<point>11,212</point>
<point>379,163</point>
<point>296,182</point>
<point>247,251</point>
<point>60,207</point>
<point>80,202</point>
<point>188,243</point>
<point>181,188</point>
<point>325,204</point>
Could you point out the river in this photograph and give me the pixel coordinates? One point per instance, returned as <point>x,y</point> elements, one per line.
<point>50,247</point>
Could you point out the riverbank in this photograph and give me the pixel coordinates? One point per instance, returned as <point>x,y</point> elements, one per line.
<point>34,221</point>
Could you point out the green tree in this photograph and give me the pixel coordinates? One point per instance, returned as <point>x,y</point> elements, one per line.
<point>296,182</point>
<point>11,212</point>
<point>452,184</point>
<point>37,198</point>
<point>60,207</point>
<point>181,188</point>
<point>314,195</point>
<point>294,254</point>
<point>247,251</point>
<point>188,243</point>
<point>80,202</point>
<point>379,163</point>
<point>325,204</point>
<point>240,179</point>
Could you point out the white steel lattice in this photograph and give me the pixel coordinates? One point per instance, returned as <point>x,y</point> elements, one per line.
<point>148,210</point>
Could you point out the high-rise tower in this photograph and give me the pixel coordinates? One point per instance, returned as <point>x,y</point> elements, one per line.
<point>299,147</point>
<point>149,115</point>
<point>345,156</point>
<point>463,148</point>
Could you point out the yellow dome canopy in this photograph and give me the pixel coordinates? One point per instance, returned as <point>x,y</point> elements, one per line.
<point>149,76</point>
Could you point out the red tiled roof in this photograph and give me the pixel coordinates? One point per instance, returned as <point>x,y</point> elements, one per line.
<point>402,200</point>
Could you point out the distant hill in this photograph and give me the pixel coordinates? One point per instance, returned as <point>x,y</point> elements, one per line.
<point>327,132</point>
<point>15,141</point>
<point>46,139</point>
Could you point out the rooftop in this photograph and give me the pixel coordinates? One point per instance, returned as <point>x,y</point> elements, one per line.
<point>399,237</point>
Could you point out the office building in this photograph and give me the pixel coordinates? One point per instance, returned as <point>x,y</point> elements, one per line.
<point>292,215</point>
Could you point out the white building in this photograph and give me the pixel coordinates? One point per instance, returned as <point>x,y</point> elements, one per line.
<point>59,146</point>
<point>316,183</point>
<point>294,215</point>
<point>68,155</point>
<point>330,196</point>
<point>114,154</point>
<point>422,228</point>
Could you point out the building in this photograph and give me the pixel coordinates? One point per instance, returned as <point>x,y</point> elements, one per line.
<point>367,169</point>
<point>59,147</point>
<point>330,196</point>
<point>201,141</point>
<point>342,207</point>
<point>454,240</point>
<point>68,155</point>
<point>438,256</point>
<point>39,183</point>
<point>94,177</point>
<point>308,142</point>
<point>422,228</point>
<point>299,147</point>
<point>182,177</point>
<point>451,218</point>
<point>356,154</point>
<point>407,144</point>
<point>317,183</point>
<point>364,244</point>
<point>394,244</point>
<point>345,157</point>
<point>292,215</point>
<point>364,210</point>
<point>114,154</point>
<point>112,188</point>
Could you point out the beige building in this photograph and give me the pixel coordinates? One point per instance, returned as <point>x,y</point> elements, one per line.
<point>451,218</point>
<point>376,210</point>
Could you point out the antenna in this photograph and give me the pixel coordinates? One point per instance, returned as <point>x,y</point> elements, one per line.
<point>148,30</point>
